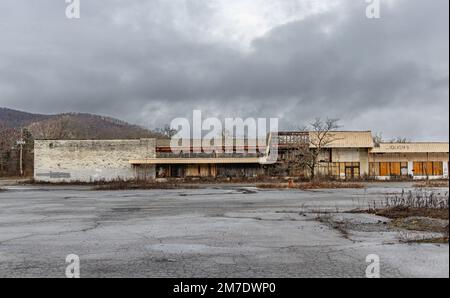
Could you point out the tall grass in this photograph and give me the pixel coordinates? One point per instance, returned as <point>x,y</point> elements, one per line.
<point>420,202</point>
<point>312,185</point>
<point>420,198</point>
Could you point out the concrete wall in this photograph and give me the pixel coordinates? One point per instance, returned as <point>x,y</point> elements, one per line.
<point>89,160</point>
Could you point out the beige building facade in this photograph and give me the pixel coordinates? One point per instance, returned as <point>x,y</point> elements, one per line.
<point>350,155</point>
<point>415,160</point>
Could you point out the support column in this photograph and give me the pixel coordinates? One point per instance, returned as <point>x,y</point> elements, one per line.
<point>364,162</point>
<point>410,168</point>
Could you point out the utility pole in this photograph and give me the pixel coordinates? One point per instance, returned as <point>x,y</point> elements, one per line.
<point>20,143</point>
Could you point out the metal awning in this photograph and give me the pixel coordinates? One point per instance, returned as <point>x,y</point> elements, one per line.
<point>154,161</point>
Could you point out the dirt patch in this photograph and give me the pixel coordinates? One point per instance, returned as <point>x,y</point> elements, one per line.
<point>137,185</point>
<point>405,212</point>
<point>61,183</point>
<point>440,240</point>
<point>338,226</point>
<point>416,211</point>
<point>432,183</point>
<point>424,224</point>
<point>312,185</point>
<point>409,229</point>
<point>416,219</point>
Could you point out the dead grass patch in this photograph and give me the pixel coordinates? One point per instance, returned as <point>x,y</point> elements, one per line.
<point>438,240</point>
<point>419,203</point>
<point>66,183</point>
<point>120,184</point>
<point>123,185</point>
<point>404,212</point>
<point>432,183</point>
<point>423,224</point>
<point>312,185</point>
<point>419,210</point>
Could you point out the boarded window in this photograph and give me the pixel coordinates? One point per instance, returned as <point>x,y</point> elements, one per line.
<point>395,169</point>
<point>384,169</point>
<point>192,171</point>
<point>428,168</point>
<point>334,169</point>
<point>418,168</point>
<point>342,168</point>
<point>438,168</point>
<point>213,169</point>
<point>204,170</point>
<point>328,169</point>
<point>389,169</point>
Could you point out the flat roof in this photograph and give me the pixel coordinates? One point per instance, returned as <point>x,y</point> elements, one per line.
<point>339,139</point>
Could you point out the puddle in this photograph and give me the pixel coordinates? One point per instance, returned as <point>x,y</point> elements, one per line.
<point>126,209</point>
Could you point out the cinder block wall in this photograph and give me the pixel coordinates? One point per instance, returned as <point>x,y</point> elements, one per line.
<point>89,160</point>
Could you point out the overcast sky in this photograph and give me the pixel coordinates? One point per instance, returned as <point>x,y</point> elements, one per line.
<point>148,62</point>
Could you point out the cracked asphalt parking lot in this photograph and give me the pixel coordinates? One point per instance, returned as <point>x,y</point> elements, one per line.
<point>215,231</point>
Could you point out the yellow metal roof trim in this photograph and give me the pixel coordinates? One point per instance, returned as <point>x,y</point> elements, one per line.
<point>346,139</point>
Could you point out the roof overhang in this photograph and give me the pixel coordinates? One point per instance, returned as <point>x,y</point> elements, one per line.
<point>164,161</point>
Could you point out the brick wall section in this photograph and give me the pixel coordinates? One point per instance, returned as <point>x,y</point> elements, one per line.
<point>89,160</point>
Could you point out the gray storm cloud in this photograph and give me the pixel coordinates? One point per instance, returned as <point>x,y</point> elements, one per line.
<point>148,62</point>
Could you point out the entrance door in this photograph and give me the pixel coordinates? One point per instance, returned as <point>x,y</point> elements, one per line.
<point>352,170</point>
<point>349,173</point>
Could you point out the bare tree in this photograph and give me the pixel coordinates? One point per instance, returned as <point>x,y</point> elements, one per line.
<point>305,153</point>
<point>166,131</point>
<point>61,128</point>
<point>378,139</point>
<point>401,140</point>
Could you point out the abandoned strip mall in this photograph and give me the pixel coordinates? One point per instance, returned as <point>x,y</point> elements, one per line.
<point>350,155</point>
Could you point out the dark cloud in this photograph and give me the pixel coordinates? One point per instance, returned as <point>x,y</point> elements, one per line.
<point>150,61</point>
